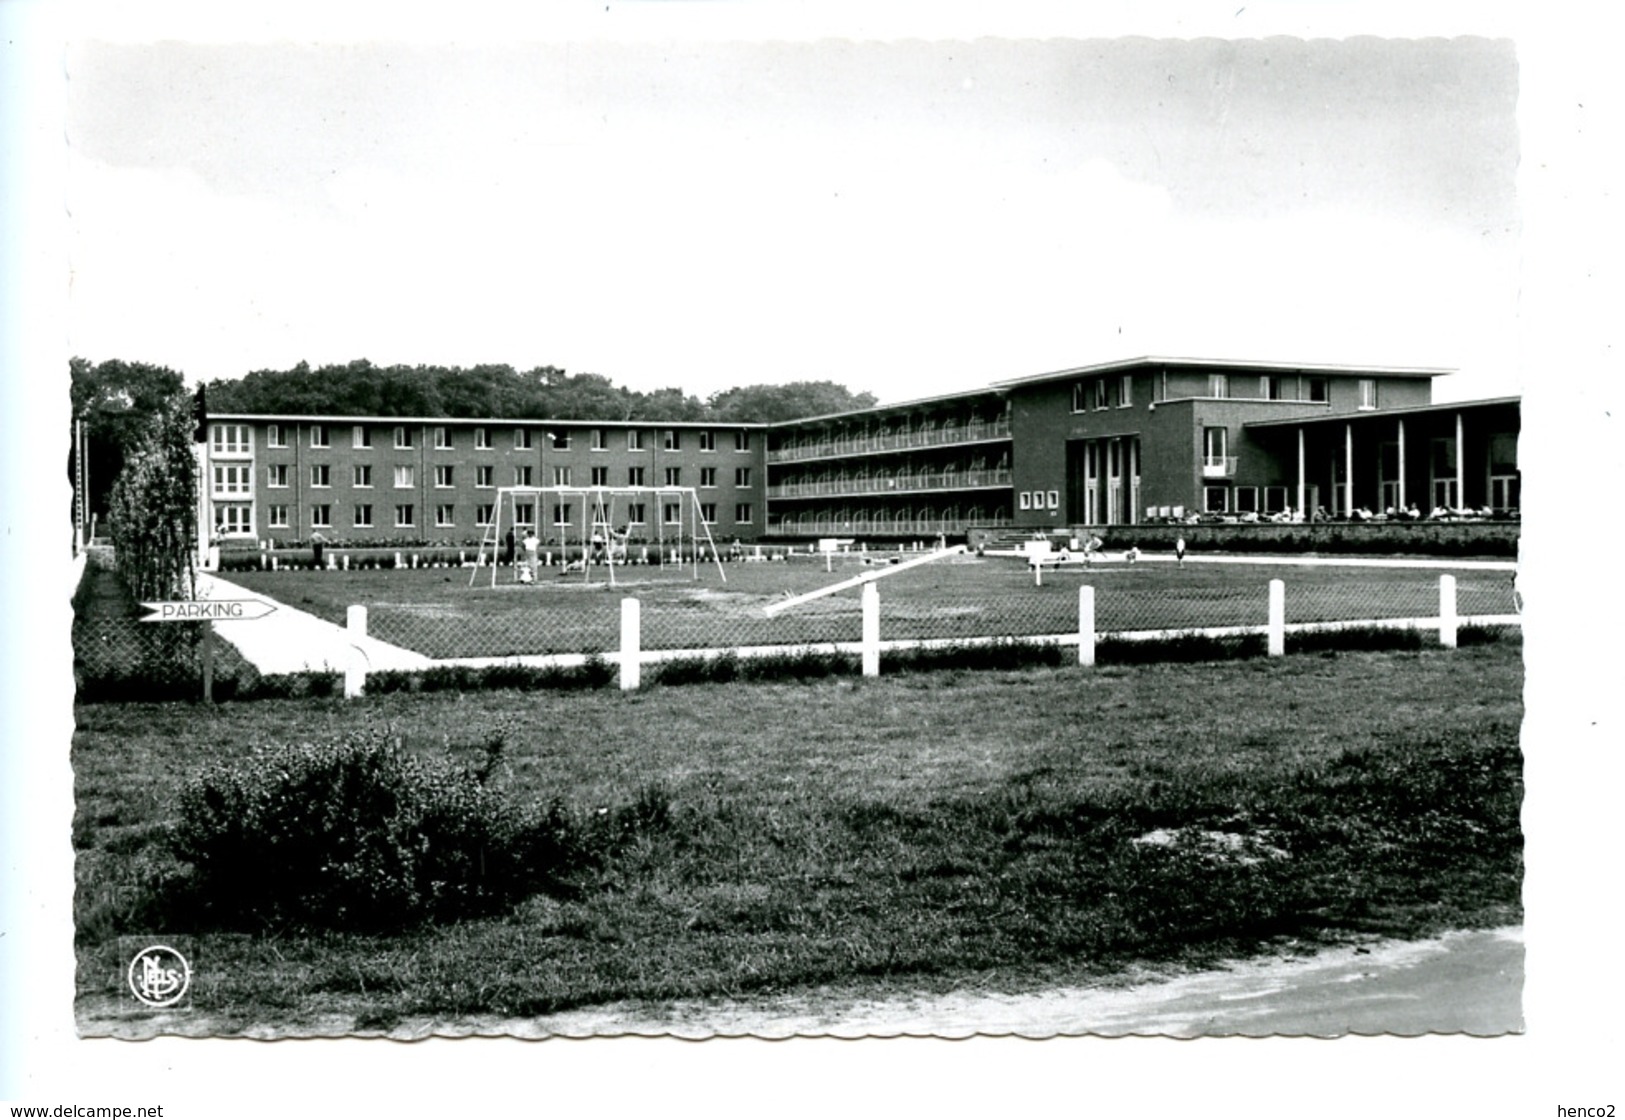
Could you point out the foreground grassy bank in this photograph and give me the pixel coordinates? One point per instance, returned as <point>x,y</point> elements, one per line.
<point>1004,830</point>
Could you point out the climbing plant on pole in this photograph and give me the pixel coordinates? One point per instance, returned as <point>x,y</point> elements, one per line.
<point>153,508</point>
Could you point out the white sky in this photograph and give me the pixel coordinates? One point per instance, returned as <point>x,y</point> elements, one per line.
<point>904,217</point>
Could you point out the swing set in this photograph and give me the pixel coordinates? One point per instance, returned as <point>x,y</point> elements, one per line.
<point>601,535</point>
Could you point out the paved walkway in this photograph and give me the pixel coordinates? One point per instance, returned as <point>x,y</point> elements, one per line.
<point>289,640</point>
<point>1468,982</point>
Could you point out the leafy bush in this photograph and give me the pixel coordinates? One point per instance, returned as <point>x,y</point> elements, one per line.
<point>1348,638</point>
<point>594,672</point>
<point>359,835</point>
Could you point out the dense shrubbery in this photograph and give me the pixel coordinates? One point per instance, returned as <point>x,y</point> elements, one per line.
<point>1395,538</point>
<point>593,672</point>
<point>359,835</point>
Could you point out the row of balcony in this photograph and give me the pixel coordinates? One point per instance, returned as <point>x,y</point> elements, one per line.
<point>900,483</point>
<point>946,435</point>
<point>881,525</point>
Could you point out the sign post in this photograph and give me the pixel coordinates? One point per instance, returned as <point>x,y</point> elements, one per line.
<point>208,612</point>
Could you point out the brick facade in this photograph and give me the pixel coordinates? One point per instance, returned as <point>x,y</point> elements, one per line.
<point>382,480</point>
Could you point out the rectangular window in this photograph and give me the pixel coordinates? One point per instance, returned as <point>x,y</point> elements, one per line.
<point>634,476</point>
<point>482,438</point>
<point>1218,385</point>
<point>521,439</point>
<point>1444,456</point>
<point>321,516</point>
<point>321,475</point>
<point>1275,388</point>
<point>276,476</point>
<point>442,439</point>
<point>1215,446</point>
<point>742,477</point>
<point>404,517</point>
<point>524,513</point>
<point>1125,390</point>
<point>231,519</point>
<point>360,437</point>
<point>1246,499</point>
<point>1216,499</point>
<point>318,435</point>
<point>362,516</point>
<point>671,513</point>
<point>231,479</point>
<point>561,441</point>
<point>561,514</point>
<point>521,476</point>
<point>636,514</point>
<point>276,436</point>
<point>674,476</point>
<point>600,476</point>
<point>742,513</point>
<point>708,477</point>
<point>673,440</point>
<point>1504,453</point>
<point>708,512</point>
<point>404,476</point>
<point>1317,390</point>
<point>230,439</point>
<point>561,476</point>
<point>482,515</point>
<point>1368,392</point>
<point>276,517</point>
<point>403,437</point>
<point>443,516</point>
<point>484,476</point>
<point>1101,397</point>
<point>361,476</point>
<point>1025,499</point>
<point>1080,396</point>
<point>443,477</point>
<point>708,440</point>
<point>741,441</point>
<point>634,439</point>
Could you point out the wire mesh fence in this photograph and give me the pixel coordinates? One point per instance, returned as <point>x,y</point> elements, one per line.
<point>809,602</point>
<point>778,604</point>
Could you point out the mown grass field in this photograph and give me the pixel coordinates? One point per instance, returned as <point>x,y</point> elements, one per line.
<point>434,611</point>
<point>986,830</point>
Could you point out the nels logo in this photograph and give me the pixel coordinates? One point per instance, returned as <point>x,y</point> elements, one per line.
<point>159,976</point>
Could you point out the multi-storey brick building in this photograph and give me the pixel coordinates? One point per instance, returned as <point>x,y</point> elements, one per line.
<point>1120,443</point>
<point>369,479</point>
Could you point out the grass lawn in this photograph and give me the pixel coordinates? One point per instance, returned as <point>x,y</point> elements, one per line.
<point>434,611</point>
<point>989,830</point>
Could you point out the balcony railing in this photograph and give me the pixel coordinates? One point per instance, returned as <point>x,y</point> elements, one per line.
<point>1218,466</point>
<point>881,526</point>
<point>917,482</point>
<point>947,435</point>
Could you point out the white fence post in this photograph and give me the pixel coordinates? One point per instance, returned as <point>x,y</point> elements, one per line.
<point>871,630</point>
<point>1277,629</point>
<point>1086,625</point>
<point>1447,611</point>
<point>355,667</point>
<point>631,644</point>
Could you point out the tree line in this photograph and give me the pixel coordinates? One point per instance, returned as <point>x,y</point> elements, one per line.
<point>115,399</point>
<point>502,392</point>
